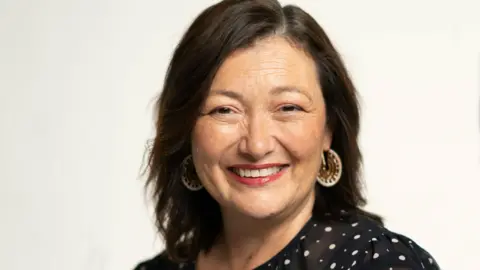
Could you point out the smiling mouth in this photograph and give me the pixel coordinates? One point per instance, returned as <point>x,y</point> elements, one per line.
<point>257,173</point>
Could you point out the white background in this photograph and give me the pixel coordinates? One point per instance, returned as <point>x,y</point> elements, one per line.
<point>77,83</point>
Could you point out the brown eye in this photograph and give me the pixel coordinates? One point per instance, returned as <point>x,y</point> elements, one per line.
<point>226,114</point>
<point>290,108</point>
<point>221,110</point>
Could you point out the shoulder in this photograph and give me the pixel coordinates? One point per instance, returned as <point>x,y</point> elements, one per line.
<point>372,246</point>
<point>160,261</point>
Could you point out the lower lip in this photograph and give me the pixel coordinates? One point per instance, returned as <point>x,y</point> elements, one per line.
<point>257,181</point>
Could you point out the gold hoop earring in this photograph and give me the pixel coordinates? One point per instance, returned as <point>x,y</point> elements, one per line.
<point>331,169</point>
<point>191,185</point>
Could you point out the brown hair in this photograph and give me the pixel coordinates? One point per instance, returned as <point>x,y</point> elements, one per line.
<point>191,221</point>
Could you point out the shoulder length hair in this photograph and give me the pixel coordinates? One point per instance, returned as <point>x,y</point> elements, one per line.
<point>191,221</point>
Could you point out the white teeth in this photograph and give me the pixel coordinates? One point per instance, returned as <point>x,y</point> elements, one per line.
<point>257,173</point>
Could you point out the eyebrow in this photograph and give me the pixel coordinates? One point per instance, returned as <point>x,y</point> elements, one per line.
<point>282,89</point>
<point>275,91</point>
<point>227,93</point>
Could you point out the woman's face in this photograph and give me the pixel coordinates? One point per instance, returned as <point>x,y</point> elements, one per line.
<point>257,145</point>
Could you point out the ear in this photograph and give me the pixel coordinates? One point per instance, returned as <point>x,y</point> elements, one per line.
<point>327,139</point>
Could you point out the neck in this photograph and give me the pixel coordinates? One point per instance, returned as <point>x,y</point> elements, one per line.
<point>248,242</point>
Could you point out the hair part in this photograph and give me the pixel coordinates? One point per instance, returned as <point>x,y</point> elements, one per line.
<point>191,221</point>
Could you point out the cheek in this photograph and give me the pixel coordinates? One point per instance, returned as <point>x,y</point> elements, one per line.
<point>210,140</point>
<point>304,138</point>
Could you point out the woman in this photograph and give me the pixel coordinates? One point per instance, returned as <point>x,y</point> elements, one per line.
<point>255,163</point>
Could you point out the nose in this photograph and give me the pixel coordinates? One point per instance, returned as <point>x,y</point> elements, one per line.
<point>258,140</point>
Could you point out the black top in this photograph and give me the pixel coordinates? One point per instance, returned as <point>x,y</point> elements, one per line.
<point>347,243</point>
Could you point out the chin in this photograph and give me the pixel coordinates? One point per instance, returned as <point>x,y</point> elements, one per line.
<point>260,209</point>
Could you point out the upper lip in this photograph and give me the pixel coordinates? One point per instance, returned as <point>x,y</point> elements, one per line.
<point>257,166</point>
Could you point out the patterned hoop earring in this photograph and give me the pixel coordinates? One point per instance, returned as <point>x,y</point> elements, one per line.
<point>187,173</point>
<point>331,170</point>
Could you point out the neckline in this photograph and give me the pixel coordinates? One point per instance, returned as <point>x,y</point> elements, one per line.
<point>293,242</point>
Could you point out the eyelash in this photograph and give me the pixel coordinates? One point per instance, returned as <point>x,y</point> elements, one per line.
<point>296,107</point>
<point>230,110</point>
<point>218,109</point>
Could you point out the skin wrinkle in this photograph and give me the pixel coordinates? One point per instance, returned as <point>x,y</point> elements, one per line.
<point>239,223</point>
<point>250,117</point>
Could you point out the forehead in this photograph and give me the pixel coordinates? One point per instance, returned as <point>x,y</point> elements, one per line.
<point>271,62</point>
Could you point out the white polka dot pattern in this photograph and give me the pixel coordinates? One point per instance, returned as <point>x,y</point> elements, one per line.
<point>348,242</point>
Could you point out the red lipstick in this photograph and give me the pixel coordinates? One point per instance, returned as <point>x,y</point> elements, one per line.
<point>260,180</point>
